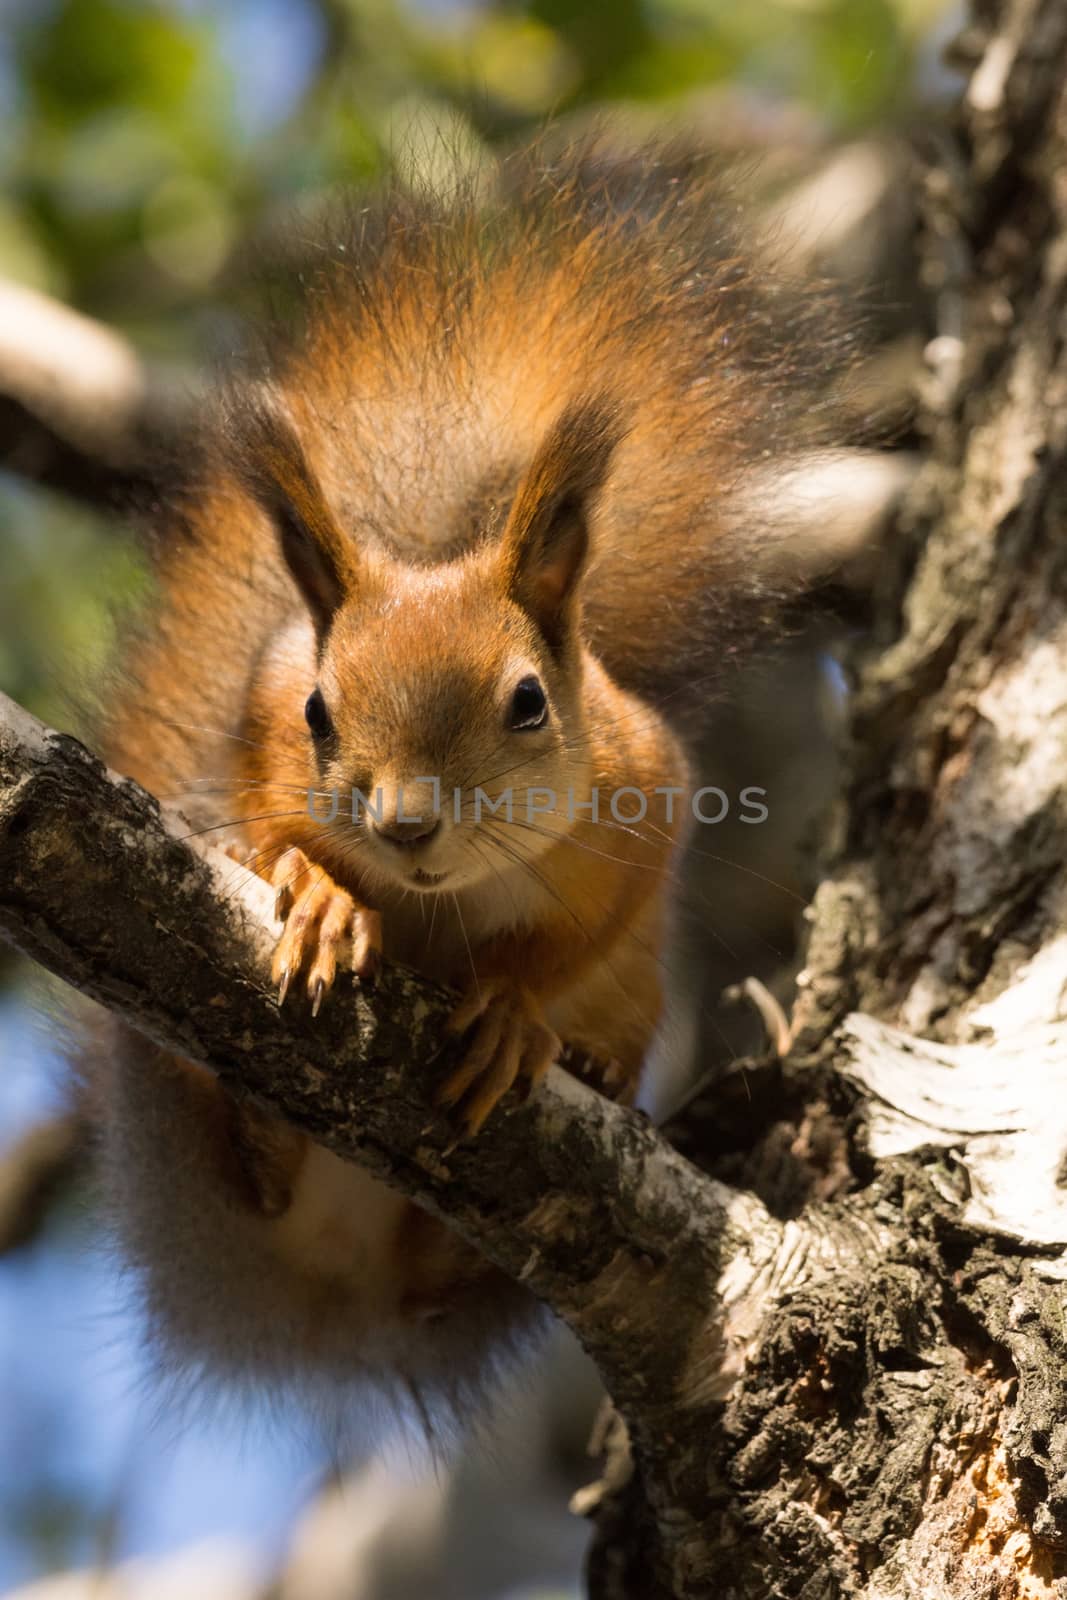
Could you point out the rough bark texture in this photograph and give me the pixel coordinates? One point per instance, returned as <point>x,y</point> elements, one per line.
<point>840,1347</point>
<point>582,1201</point>
<point>900,1428</point>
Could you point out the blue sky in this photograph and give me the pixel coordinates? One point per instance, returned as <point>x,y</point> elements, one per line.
<point>83,1424</point>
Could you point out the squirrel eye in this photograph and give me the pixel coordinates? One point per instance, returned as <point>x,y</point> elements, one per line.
<point>318,718</point>
<point>529,706</point>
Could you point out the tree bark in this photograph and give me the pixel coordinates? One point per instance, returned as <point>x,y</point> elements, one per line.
<point>900,1425</point>
<point>580,1200</point>
<point>79,411</point>
<point>832,1314</point>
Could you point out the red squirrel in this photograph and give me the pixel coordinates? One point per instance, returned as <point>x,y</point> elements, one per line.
<point>478,521</point>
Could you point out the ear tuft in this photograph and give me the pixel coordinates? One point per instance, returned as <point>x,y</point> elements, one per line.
<point>546,539</point>
<point>269,461</point>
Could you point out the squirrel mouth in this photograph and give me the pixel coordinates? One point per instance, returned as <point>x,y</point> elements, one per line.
<point>428,879</point>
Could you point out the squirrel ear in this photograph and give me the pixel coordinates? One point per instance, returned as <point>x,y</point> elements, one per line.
<point>271,464</point>
<point>546,538</point>
<point>312,560</point>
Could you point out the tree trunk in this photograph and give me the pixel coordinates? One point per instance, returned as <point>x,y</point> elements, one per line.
<point>900,1426</point>
<point>840,1352</point>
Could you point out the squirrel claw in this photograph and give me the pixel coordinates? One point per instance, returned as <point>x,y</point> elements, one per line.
<point>366,944</point>
<point>320,919</point>
<point>509,1043</point>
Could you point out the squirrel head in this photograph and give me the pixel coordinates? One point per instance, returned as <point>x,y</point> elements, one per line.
<point>447,699</point>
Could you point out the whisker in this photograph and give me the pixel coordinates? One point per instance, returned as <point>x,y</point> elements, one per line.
<point>688,848</point>
<point>641,1016</point>
<point>472,847</point>
<point>580,844</point>
<point>237,822</point>
<point>240,786</point>
<point>215,733</point>
<point>665,967</point>
<point>671,868</point>
<point>466,941</point>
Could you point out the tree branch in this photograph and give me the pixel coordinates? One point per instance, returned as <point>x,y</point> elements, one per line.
<point>579,1199</point>
<point>79,412</point>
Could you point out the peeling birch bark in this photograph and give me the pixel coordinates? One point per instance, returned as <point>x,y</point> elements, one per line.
<point>844,1370</point>
<point>900,1428</point>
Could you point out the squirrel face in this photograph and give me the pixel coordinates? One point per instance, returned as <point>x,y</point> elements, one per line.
<point>449,727</point>
<point>446,716</point>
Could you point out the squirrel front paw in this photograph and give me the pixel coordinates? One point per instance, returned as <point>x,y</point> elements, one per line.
<point>320,918</point>
<point>509,1041</point>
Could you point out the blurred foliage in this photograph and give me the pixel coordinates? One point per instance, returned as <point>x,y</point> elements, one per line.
<point>59,573</point>
<point>146,145</point>
<point>143,141</point>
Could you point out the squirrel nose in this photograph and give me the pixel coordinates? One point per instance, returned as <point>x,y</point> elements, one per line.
<point>407,832</point>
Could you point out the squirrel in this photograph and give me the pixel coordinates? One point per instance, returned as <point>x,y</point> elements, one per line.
<point>478,518</point>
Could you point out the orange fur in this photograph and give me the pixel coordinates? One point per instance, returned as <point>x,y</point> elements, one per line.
<point>505,444</point>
